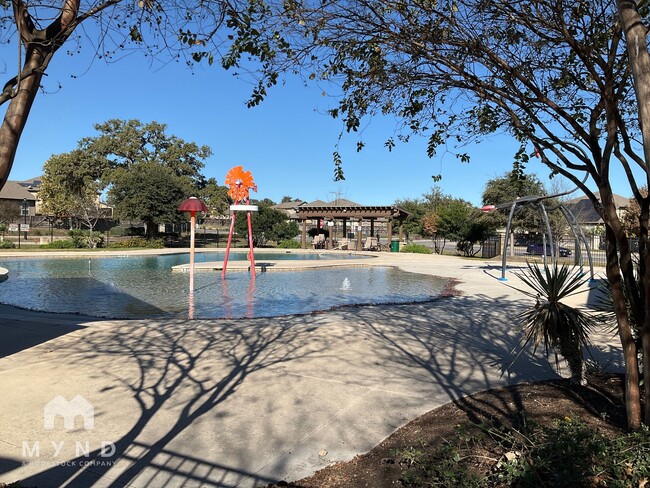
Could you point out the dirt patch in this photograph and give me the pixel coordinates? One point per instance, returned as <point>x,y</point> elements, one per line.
<point>598,405</point>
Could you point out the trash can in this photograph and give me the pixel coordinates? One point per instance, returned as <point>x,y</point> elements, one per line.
<point>394,246</point>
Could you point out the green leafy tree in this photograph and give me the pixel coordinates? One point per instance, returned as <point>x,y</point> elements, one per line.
<point>215,197</point>
<point>147,193</point>
<point>71,187</point>
<point>559,77</point>
<point>126,143</point>
<point>417,209</point>
<point>507,189</point>
<point>114,160</point>
<point>263,223</point>
<point>285,230</point>
<point>459,221</point>
<point>266,202</point>
<point>454,219</point>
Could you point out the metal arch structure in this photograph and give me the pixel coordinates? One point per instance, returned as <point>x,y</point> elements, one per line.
<point>538,202</point>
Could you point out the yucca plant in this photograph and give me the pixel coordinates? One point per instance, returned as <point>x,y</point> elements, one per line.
<point>562,329</point>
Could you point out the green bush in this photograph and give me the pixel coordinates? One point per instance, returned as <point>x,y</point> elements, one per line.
<point>134,231</point>
<point>289,244</point>
<point>7,245</point>
<point>86,238</point>
<point>63,244</point>
<point>138,242</point>
<point>569,453</point>
<point>117,231</point>
<point>416,248</point>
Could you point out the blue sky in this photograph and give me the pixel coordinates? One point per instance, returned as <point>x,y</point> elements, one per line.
<point>286,142</point>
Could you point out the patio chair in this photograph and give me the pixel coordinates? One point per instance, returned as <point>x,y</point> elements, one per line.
<point>318,242</point>
<point>342,244</point>
<point>371,244</point>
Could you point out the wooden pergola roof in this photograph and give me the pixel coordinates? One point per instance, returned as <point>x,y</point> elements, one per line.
<point>360,212</point>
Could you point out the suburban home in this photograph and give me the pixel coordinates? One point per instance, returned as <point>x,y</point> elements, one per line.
<point>586,214</point>
<point>12,196</point>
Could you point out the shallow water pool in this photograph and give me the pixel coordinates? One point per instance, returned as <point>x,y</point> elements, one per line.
<point>145,287</point>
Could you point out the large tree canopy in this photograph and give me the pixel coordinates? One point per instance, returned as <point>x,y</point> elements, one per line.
<point>511,186</point>
<point>145,170</point>
<point>560,77</point>
<point>178,31</point>
<point>147,193</point>
<point>126,143</point>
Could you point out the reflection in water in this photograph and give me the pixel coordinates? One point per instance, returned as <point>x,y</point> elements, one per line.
<point>190,304</point>
<point>137,287</point>
<point>250,298</point>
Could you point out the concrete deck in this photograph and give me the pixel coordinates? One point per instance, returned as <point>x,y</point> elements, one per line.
<point>224,403</point>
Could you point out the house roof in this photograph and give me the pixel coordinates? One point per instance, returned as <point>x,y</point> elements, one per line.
<point>341,202</point>
<point>317,203</point>
<point>13,190</point>
<point>289,205</point>
<point>584,210</point>
<point>32,183</point>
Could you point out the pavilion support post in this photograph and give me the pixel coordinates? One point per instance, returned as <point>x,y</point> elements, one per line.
<point>330,236</point>
<point>345,228</point>
<point>303,240</point>
<point>359,236</point>
<point>401,231</point>
<point>372,227</point>
<point>389,231</point>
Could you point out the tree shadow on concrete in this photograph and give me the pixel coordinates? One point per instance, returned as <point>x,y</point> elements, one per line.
<point>468,344</point>
<point>177,373</point>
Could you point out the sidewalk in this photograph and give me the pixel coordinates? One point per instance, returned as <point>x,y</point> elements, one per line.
<point>251,401</point>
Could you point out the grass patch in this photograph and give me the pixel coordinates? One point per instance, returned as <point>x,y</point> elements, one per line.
<point>569,453</point>
<point>416,248</point>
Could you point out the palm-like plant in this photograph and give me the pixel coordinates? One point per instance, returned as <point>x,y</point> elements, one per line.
<point>561,328</point>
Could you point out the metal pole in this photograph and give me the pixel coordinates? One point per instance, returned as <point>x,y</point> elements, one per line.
<point>192,223</point>
<point>251,256</point>
<point>573,223</point>
<point>505,243</point>
<point>232,228</point>
<point>542,210</point>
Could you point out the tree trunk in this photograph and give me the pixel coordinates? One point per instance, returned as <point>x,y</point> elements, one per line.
<point>18,111</point>
<point>632,389</point>
<point>639,58</point>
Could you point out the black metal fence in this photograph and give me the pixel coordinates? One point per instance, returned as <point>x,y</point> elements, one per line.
<point>569,250</point>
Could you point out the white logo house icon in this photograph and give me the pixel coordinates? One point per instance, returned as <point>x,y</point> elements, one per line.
<point>69,410</point>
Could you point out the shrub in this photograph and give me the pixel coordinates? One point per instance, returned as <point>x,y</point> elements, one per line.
<point>569,453</point>
<point>134,231</point>
<point>289,244</point>
<point>7,245</point>
<point>64,244</point>
<point>138,242</point>
<point>416,248</point>
<point>86,238</point>
<point>117,231</point>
